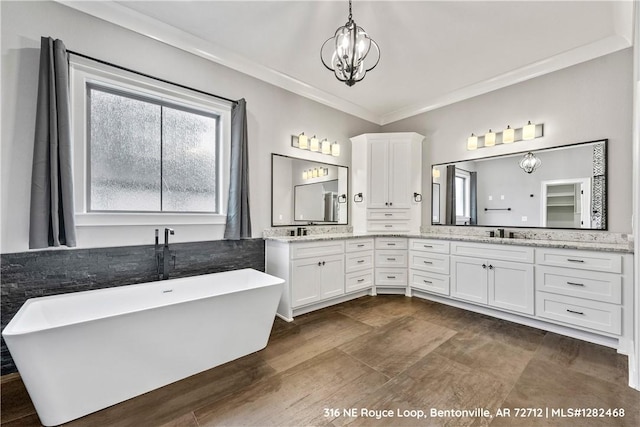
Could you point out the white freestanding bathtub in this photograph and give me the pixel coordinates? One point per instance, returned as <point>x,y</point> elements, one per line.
<point>78,353</point>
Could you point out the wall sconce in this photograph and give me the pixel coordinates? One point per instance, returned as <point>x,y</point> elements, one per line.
<point>530,162</point>
<point>472,142</point>
<point>303,142</point>
<point>489,139</point>
<point>507,136</point>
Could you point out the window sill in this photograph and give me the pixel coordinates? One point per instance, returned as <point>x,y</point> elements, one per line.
<point>140,219</point>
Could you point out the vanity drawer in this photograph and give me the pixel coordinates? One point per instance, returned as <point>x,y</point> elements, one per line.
<point>391,277</point>
<point>388,214</point>
<point>493,251</point>
<point>435,283</point>
<point>580,312</point>
<point>391,258</point>
<point>359,245</point>
<point>318,248</point>
<point>434,263</point>
<point>605,287</point>
<point>359,280</point>
<point>424,245</point>
<point>358,261</point>
<point>388,226</point>
<point>582,260</point>
<point>391,243</point>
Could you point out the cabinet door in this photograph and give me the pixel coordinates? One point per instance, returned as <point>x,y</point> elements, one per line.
<point>469,279</point>
<point>511,286</point>
<point>305,281</point>
<point>400,191</point>
<point>332,273</point>
<point>378,175</point>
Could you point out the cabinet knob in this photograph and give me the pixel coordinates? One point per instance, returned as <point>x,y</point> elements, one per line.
<point>323,262</point>
<point>386,203</point>
<point>319,263</point>
<point>484,265</point>
<point>390,203</point>
<point>490,267</point>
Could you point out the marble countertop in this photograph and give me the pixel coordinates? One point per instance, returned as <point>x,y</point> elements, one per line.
<point>586,245</point>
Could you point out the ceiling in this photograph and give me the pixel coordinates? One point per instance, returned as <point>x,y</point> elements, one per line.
<point>433,53</point>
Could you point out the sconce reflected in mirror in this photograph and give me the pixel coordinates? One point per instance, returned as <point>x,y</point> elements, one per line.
<point>530,163</point>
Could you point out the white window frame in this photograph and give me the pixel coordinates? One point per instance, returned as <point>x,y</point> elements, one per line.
<point>83,71</point>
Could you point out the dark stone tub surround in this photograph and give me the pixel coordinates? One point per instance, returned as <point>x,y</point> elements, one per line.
<point>42,273</point>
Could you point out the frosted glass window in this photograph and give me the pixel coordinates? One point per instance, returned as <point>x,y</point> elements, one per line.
<point>188,161</point>
<point>150,156</point>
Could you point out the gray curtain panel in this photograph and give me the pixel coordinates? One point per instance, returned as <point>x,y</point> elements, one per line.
<point>450,196</point>
<point>52,221</point>
<point>238,217</point>
<point>473,198</point>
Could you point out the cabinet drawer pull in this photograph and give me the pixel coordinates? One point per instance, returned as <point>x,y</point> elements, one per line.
<point>388,214</point>
<point>360,280</point>
<point>428,262</point>
<point>574,260</point>
<point>391,259</point>
<point>427,246</point>
<point>575,284</point>
<point>391,244</point>
<point>575,312</point>
<point>361,245</point>
<point>391,277</point>
<point>360,261</point>
<point>427,281</point>
<point>388,225</point>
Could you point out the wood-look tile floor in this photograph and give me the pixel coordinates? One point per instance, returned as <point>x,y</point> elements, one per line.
<point>384,353</point>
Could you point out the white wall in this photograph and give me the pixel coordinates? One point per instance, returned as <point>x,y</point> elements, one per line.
<point>273,114</point>
<point>582,103</point>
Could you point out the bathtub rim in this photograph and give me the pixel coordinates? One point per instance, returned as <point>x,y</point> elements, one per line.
<point>10,330</point>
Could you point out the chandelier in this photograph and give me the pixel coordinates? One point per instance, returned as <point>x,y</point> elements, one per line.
<point>530,162</point>
<point>346,55</point>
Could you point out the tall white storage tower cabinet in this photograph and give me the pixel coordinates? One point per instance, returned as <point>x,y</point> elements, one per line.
<point>386,178</point>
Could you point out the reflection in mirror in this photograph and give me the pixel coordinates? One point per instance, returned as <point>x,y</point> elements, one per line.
<point>565,189</point>
<point>305,192</point>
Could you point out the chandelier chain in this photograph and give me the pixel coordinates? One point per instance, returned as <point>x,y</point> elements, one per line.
<point>350,11</point>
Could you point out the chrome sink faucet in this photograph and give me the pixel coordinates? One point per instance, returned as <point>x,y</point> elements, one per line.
<point>164,255</point>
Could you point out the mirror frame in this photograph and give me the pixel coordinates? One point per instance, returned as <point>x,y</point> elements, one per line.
<point>605,199</point>
<point>321,224</point>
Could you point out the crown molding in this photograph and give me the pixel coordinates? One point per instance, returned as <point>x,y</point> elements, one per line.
<point>554,63</point>
<point>134,21</point>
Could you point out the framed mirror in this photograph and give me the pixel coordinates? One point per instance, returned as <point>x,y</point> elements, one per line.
<point>561,187</point>
<point>304,192</point>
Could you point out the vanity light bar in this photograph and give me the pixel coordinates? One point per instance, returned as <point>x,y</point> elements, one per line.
<point>314,144</point>
<point>507,136</point>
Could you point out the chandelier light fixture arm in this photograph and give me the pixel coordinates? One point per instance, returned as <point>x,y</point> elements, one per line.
<point>348,52</point>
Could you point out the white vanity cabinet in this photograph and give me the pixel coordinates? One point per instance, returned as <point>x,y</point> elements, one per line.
<point>486,274</point>
<point>429,265</point>
<point>387,182</point>
<point>314,272</point>
<point>583,289</point>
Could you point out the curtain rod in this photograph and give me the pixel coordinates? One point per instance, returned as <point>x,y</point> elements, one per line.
<point>151,77</point>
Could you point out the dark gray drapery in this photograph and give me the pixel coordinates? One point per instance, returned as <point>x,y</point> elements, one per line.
<point>473,198</point>
<point>238,217</point>
<point>450,196</point>
<point>52,221</point>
